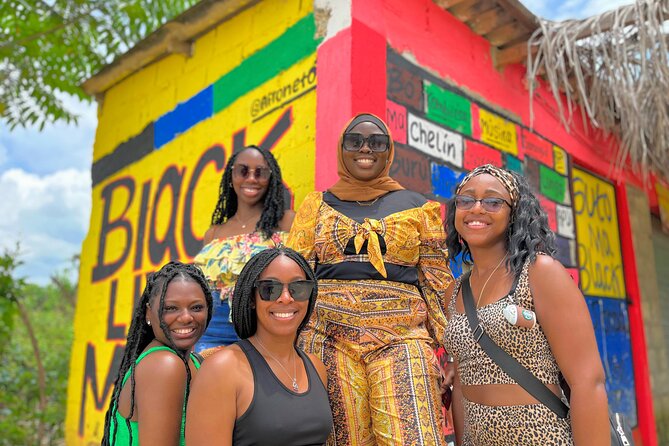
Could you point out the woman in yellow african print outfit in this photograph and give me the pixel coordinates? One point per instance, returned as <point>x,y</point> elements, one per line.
<point>380,258</point>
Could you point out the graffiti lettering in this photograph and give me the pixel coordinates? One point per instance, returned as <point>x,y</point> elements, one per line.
<point>435,141</point>
<point>592,201</point>
<point>172,178</point>
<point>285,93</point>
<point>90,377</point>
<point>598,275</point>
<point>404,87</point>
<point>103,270</point>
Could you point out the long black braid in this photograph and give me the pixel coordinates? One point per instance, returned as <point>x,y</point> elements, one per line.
<point>141,334</point>
<point>273,204</point>
<point>244,317</point>
<point>527,235</point>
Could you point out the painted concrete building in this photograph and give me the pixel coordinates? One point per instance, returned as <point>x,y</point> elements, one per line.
<point>287,75</point>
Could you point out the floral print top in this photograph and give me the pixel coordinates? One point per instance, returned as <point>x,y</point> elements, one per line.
<point>222,259</point>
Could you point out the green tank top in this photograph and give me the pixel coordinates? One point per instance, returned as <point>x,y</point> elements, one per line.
<point>118,422</point>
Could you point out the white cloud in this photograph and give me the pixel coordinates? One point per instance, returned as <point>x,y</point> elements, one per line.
<point>57,147</point>
<point>48,215</point>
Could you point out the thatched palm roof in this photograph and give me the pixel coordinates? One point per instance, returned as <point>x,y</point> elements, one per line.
<point>613,66</point>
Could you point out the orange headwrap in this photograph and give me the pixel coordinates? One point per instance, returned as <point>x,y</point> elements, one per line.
<point>349,188</point>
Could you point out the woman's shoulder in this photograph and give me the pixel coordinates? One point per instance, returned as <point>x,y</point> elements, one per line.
<point>543,263</point>
<point>215,232</point>
<point>411,198</point>
<point>227,357</point>
<point>287,220</point>
<point>161,364</point>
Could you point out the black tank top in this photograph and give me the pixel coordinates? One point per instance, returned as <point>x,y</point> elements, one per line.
<point>279,416</point>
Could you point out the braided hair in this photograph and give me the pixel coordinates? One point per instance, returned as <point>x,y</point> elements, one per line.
<point>273,204</point>
<point>244,317</point>
<point>141,334</point>
<point>527,235</point>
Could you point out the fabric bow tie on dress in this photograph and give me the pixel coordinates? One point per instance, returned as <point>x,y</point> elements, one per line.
<point>369,230</point>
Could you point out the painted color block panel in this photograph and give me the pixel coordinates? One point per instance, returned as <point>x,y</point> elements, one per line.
<point>610,320</point>
<point>444,180</point>
<point>396,118</point>
<point>536,147</point>
<point>560,161</point>
<point>435,141</point>
<point>566,251</point>
<point>598,236</point>
<point>498,132</point>
<point>553,185</point>
<point>404,86</point>
<point>183,117</point>
<point>573,273</point>
<point>549,207</point>
<point>292,46</point>
<point>477,154</point>
<point>448,108</point>
<point>411,169</point>
<point>663,203</point>
<point>565,221</point>
<point>513,163</point>
<point>532,175</point>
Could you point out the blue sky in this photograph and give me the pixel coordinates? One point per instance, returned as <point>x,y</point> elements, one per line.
<point>45,176</point>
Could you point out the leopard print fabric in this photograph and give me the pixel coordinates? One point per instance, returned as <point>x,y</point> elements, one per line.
<point>529,425</point>
<point>529,346</point>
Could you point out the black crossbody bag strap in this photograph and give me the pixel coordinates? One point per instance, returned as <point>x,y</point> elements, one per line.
<point>506,362</point>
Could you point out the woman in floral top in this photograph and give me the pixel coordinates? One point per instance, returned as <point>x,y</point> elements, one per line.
<point>248,218</point>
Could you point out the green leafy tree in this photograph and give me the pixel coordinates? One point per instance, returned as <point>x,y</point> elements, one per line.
<point>35,356</point>
<point>49,47</point>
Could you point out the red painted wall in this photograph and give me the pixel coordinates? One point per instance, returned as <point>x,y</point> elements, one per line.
<point>352,79</point>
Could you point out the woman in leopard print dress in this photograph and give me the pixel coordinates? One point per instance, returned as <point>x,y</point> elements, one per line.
<point>499,227</point>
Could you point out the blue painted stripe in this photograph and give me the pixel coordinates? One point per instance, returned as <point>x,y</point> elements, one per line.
<point>444,180</point>
<point>183,117</point>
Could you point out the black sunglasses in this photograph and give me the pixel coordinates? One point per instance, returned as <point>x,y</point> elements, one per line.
<point>259,173</point>
<point>270,289</point>
<point>490,204</point>
<point>353,142</point>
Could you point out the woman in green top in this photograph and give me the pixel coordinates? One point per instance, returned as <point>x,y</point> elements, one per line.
<point>149,399</point>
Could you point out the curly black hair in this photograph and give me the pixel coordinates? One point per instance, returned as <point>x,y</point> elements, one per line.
<point>527,235</point>
<point>274,201</point>
<point>141,334</point>
<point>244,316</point>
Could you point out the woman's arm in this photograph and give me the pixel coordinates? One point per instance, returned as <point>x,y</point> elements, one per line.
<point>212,403</point>
<point>565,319</point>
<point>302,235</point>
<point>159,398</point>
<point>457,408</point>
<point>209,235</point>
<point>434,274</point>
<point>287,220</point>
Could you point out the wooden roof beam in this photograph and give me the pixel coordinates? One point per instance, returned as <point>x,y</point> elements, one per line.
<point>445,4</point>
<point>489,20</point>
<point>507,33</point>
<point>468,9</point>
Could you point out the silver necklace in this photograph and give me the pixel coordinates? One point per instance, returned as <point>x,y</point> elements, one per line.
<point>236,217</point>
<point>367,203</point>
<point>292,378</point>
<point>486,282</point>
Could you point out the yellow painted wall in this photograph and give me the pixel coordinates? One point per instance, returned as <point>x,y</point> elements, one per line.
<point>105,305</point>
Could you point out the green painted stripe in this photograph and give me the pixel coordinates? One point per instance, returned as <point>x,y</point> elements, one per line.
<point>289,48</point>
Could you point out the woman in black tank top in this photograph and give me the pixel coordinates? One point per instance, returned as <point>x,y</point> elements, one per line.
<point>264,389</point>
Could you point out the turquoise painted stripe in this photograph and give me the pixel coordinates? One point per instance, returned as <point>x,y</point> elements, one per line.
<point>293,45</point>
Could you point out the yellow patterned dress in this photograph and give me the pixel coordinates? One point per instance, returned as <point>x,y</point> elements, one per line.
<point>221,261</point>
<point>379,315</point>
